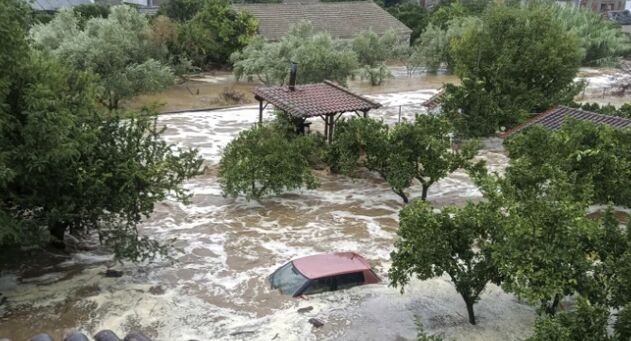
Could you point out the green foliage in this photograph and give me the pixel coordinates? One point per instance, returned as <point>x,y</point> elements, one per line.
<point>413,16</point>
<point>420,150</point>
<point>422,336</point>
<point>316,53</point>
<point>181,10</point>
<point>118,49</point>
<point>444,15</point>
<point>587,322</point>
<point>216,32</point>
<point>471,109</point>
<point>455,241</point>
<point>67,167</point>
<point>520,58</point>
<point>375,75</point>
<point>265,160</point>
<point>622,326</point>
<point>86,12</point>
<point>596,157</point>
<point>373,50</point>
<point>601,41</point>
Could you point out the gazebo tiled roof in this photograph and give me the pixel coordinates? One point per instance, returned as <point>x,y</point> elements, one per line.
<point>554,119</point>
<point>434,101</point>
<point>311,100</point>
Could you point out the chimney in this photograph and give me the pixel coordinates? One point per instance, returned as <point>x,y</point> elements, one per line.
<point>292,76</point>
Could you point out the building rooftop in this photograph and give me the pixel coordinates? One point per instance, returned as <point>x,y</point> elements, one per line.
<point>54,5</point>
<point>343,20</point>
<point>554,119</point>
<point>310,100</point>
<point>330,264</point>
<point>434,101</point>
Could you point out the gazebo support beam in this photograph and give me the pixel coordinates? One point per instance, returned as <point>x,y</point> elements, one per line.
<point>261,112</point>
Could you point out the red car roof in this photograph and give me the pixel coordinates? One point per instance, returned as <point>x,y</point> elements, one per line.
<point>330,264</point>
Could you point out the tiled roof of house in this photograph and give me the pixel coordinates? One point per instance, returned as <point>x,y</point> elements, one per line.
<point>554,119</point>
<point>318,99</point>
<point>434,101</point>
<point>343,20</point>
<point>53,5</point>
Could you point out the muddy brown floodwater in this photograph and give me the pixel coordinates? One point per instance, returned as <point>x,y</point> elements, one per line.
<point>215,288</point>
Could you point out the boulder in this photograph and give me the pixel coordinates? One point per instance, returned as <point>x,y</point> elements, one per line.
<point>42,337</point>
<point>76,336</point>
<point>156,290</point>
<point>305,309</point>
<point>113,273</point>
<point>106,335</point>
<point>316,323</point>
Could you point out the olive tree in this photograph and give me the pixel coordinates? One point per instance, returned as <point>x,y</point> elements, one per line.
<point>119,49</point>
<point>454,241</point>
<point>265,160</point>
<point>318,56</point>
<point>421,150</point>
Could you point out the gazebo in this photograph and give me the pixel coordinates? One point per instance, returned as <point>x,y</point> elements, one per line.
<point>327,100</point>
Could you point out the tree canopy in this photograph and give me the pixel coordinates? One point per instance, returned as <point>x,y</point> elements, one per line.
<point>68,167</point>
<point>318,56</point>
<point>118,49</point>
<point>419,150</point>
<point>453,241</point>
<point>266,160</point>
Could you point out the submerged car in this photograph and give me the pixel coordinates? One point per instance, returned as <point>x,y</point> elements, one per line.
<point>323,272</point>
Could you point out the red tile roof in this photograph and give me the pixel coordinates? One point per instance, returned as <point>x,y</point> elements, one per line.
<point>330,264</point>
<point>435,100</point>
<point>318,99</point>
<point>554,118</point>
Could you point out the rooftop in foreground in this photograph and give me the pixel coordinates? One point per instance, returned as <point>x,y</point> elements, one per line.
<point>330,264</point>
<point>554,119</point>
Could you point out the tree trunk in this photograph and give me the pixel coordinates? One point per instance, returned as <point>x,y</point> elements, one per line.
<point>469,304</point>
<point>425,189</point>
<point>57,230</point>
<point>402,195</point>
<point>551,308</point>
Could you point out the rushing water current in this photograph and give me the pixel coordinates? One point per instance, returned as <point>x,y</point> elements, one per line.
<point>215,288</point>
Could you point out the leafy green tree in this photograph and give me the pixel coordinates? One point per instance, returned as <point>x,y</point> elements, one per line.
<point>108,170</point>
<point>443,15</point>
<point>216,32</point>
<point>118,49</point>
<point>319,58</point>
<point>86,12</point>
<point>596,157</point>
<point>373,50</point>
<point>264,160</point>
<point>413,16</point>
<point>601,41</point>
<point>421,150</point>
<point>181,10</point>
<point>455,241</point>
<point>471,109</point>
<point>587,323</point>
<point>521,57</point>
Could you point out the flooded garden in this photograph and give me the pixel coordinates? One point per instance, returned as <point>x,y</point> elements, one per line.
<point>214,287</point>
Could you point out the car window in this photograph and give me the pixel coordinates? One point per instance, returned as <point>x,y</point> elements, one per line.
<point>349,280</point>
<point>288,279</point>
<point>319,285</point>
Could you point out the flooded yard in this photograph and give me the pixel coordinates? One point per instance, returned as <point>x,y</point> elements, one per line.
<point>215,287</point>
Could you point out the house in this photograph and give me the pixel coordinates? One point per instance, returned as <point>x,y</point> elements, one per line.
<point>343,20</point>
<point>603,6</point>
<point>55,5</point>
<point>554,119</point>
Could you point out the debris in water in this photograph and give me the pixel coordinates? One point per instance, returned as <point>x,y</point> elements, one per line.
<point>242,332</point>
<point>113,273</point>
<point>136,336</point>
<point>106,335</point>
<point>316,323</point>
<point>42,337</point>
<point>305,309</point>
<point>156,290</point>
<point>76,336</point>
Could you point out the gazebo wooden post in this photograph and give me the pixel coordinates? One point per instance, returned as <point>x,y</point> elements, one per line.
<point>365,113</point>
<point>331,127</point>
<point>326,126</point>
<point>260,112</point>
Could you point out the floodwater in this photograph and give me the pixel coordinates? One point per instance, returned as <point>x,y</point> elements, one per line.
<point>215,287</point>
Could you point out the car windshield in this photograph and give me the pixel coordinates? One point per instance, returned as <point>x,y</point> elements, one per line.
<point>288,279</point>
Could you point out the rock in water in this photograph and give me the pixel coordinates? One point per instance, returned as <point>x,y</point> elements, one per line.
<point>113,273</point>
<point>136,336</point>
<point>76,336</point>
<point>316,323</point>
<point>305,309</point>
<point>156,290</point>
<point>106,335</point>
<point>42,337</point>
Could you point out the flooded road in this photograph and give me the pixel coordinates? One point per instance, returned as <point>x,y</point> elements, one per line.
<point>215,287</point>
